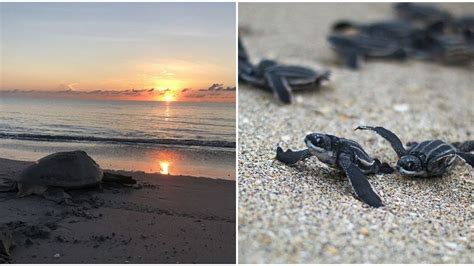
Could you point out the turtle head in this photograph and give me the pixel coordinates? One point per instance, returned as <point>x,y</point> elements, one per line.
<point>318,143</point>
<point>264,64</point>
<point>410,165</point>
<point>345,27</point>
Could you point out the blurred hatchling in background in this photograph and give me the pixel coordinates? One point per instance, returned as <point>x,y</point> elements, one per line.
<point>421,31</point>
<point>280,79</point>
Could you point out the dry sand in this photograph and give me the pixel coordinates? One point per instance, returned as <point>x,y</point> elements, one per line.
<point>161,219</point>
<point>307,213</point>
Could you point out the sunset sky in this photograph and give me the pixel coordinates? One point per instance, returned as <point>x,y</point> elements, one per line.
<point>144,51</point>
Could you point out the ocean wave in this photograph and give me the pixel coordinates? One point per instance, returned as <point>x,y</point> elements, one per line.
<point>65,138</point>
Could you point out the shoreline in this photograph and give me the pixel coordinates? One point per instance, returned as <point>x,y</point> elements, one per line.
<point>186,161</point>
<point>183,143</point>
<point>161,219</point>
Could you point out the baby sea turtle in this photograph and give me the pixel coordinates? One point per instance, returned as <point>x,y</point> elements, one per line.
<point>427,158</point>
<point>345,154</point>
<point>395,30</point>
<point>280,79</point>
<point>57,172</point>
<point>423,32</point>
<point>413,40</point>
<point>354,48</point>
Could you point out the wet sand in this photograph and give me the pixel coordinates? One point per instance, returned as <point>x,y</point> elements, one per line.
<point>307,213</point>
<point>161,219</point>
<point>182,160</point>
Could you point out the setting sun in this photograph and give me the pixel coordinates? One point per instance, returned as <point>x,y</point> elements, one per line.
<point>168,97</point>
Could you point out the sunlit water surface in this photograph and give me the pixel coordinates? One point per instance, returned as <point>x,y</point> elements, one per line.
<point>124,135</point>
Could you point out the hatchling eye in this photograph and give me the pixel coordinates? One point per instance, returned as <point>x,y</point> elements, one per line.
<point>319,140</point>
<point>410,165</point>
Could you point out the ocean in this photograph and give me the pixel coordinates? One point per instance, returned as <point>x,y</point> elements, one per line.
<point>178,138</point>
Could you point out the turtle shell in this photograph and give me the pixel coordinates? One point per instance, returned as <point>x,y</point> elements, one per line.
<point>422,12</point>
<point>63,169</point>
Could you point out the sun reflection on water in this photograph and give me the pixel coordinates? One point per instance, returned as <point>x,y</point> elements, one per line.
<point>164,168</point>
<point>167,112</point>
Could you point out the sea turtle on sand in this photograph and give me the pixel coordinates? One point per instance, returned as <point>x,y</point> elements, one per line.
<point>427,158</point>
<point>57,172</point>
<point>343,154</point>
<point>282,80</point>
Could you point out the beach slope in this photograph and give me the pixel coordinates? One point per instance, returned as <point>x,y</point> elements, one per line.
<point>307,213</point>
<point>161,219</point>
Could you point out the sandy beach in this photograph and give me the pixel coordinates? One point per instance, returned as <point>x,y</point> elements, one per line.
<point>307,213</point>
<point>161,219</point>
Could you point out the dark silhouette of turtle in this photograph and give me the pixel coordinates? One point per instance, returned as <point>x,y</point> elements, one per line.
<point>245,67</point>
<point>427,158</point>
<point>465,26</point>
<point>396,30</point>
<point>6,242</point>
<point>55,173</point>
<point>345,154</point>
<point>413,40</point>
<point>356,47</point>
<point>282,80</point>
<point>422,32</point>
<point>453,49</point>
<point>423,13</point>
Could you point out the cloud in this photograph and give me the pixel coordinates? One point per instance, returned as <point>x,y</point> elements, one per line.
<point>216,87</point>
<point>214,91</point>
<point>219,87</point>
<point>66,87</point>
<point>71,92</point>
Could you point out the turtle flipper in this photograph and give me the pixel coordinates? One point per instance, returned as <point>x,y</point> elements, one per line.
<point>382,168</point>
<point>279,85</point>
<point>376,168</point>
<point>25,189</point>
<point>292,157</point>
<point>466,146</point>
<point>6,242</point>
<point>117,178</point>
<point>385,168</point>
<point>359,182</point>
<point>389,136</point>
<point>57,195</point>
<point>245,67</point>
<point>7,185</point>
<point>467,157</point>
<point>352,60</point>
